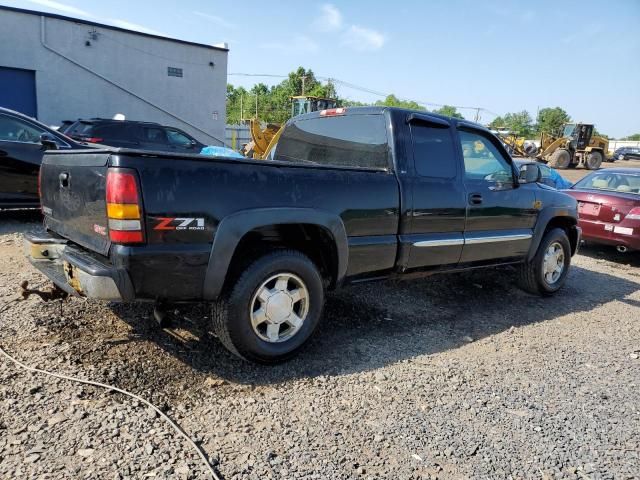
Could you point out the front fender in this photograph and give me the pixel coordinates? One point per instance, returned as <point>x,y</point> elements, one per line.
<point>565,215</point>
<point>232,228</point>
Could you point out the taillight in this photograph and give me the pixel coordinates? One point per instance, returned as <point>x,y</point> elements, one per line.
<point>124,208</point>
<point>634,214</point>
<point>332,112</point>
<point>92,139</point>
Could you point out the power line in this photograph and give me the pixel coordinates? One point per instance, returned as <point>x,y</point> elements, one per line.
<point>360,88</point>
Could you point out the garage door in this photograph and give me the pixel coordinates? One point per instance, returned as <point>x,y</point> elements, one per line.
<point>18,90</point>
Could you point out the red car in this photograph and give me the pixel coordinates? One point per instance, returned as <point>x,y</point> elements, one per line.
<point>609,207</point>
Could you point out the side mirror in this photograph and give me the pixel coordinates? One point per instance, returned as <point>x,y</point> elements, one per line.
<point>529,173</point>
<point>48,141</point>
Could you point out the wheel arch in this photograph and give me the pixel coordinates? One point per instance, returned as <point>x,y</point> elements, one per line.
<point>240,229</point>
<point>555,218</point>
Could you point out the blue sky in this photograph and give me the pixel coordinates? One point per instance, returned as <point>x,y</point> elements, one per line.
<point>501,55</point>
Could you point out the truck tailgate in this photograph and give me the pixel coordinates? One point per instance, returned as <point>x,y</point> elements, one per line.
<point>72,193</point>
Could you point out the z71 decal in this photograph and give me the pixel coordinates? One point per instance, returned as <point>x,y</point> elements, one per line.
<point>179,223</point>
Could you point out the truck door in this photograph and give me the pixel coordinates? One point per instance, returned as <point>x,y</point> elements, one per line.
<point>437,214</point>
<point>500,213</point>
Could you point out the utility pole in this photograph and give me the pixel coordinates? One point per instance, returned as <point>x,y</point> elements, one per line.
<point>304,79</point>
<point>477,117</point>
<point>241,109</point>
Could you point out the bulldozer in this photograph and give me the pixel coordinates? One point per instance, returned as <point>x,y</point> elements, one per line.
<point>576,146</point>
<point>264,138</point>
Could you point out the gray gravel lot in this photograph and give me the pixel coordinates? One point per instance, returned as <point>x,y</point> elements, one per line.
<point>454,376</point>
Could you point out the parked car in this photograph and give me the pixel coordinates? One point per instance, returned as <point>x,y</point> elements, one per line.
<point>134,134</point>
<point>548,176</point>
<point>21,152</point>
<point>626,153</point>
<point>352,195</point>
<point>609,207</point>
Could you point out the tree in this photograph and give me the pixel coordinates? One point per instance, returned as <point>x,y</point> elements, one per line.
<point>393,101</point>
<point>550,120</point>
<point>635,136</point>
<point>497,123</point>
<point>449,111</point>
<point>520,123</point>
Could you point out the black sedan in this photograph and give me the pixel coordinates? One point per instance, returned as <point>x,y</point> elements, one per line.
<point>21,151</point>
<point>626,153</point>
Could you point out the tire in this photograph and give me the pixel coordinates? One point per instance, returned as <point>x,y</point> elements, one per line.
<point>561,158</point>
<point>593,160</point>
<point>532,276</point>
<point>234,314</point>
<point>622,157</point>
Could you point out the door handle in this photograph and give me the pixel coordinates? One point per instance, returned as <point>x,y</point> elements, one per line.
<point>475,199</point>
<point>64,179</point>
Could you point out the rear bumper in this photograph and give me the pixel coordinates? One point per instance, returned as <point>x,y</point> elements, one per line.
<point>597,232</point>
<point>75,270</point>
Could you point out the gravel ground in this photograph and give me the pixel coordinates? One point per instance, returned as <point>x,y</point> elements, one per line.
<point>454,376</point>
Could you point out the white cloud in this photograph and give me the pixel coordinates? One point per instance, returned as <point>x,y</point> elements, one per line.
<point>118,22</point>
<point>298,44</point>
<point>330,20</point>
<point>363,39</point>
<point>61,7</point>
<point>217,20</point>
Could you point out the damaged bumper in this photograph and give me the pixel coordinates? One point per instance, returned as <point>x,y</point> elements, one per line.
<point>75,270</point>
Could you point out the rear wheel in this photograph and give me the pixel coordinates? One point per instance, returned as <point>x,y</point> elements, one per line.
<point>593,161</point>
<point>272,309</point>
<point>561,158</point>
<point>547,272</point>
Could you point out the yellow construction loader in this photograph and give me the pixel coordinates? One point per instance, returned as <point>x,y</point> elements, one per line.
<point>264,138</point>
<point>576,146</point>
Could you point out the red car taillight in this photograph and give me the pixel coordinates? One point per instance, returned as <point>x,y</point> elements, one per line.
<point>634,214</point>
<point>124,208</point>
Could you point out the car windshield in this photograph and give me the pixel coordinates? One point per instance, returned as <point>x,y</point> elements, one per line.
<point>612,182</point>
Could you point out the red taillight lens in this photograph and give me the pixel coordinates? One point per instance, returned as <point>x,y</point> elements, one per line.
<point>634,214</point>
<point>92,139</point>
<point>122,188</point>
<point>124,208</point>
<point>118,236</point>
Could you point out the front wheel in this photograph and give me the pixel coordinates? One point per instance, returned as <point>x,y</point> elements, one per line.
<point>547,272</point>
<point>272,309</point>
<point>594,160</point>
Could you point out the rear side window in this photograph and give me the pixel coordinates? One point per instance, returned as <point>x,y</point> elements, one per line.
<point>115,132</point>
<point>433,151</point>
<point>342,141</point>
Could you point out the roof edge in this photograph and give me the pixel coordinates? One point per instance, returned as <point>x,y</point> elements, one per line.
<point>110,27</point>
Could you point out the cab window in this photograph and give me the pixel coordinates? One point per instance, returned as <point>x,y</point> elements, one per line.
<point>178,139</point>
<point>482,160</point>
<point>14,130</point>
<point>433,151</point>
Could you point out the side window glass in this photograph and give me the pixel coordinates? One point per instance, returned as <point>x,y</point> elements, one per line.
<point>178,139</point>
<point>433,151</point>
<point>14,130</point>
<point>482,160</point>
<point>154,135</point>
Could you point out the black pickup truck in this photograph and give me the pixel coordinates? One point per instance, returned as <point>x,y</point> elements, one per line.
<point>349,195</point>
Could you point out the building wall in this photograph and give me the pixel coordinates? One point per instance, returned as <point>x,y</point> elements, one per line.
<point>119,72</point>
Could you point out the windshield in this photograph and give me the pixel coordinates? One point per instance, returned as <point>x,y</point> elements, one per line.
<point>612,182</point>
<point>568,130</point>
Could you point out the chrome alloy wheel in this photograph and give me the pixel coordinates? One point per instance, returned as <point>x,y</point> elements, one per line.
<point>279,307</point>
<point>553,264</point>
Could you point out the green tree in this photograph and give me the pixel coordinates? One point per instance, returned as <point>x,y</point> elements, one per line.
<point>393,101</point>
<point>519,123</point>
<point>635,136</point>
<point>497,123</point>
<point>449,111</point>
<point>550,120</point>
